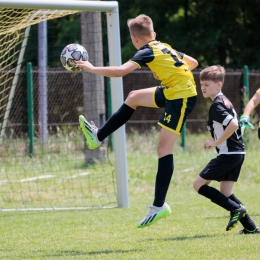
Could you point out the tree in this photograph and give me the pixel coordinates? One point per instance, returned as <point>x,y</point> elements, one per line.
<point>214,32</point>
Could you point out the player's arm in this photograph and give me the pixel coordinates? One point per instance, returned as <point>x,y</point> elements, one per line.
<point>251,105</point>
<point>110,71</point>
<point>230,129</point>
<point>191,62</point>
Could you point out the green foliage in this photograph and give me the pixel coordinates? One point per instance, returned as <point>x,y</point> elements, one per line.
<point>212,32</point>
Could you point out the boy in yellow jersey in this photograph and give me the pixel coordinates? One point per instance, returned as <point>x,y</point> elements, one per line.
<point>251,105</point>
<point>177,94</point>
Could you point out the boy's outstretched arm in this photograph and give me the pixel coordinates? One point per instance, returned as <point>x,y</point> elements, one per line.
<point>252,104</point>
<point>110,71</point>
<point>192,63</point>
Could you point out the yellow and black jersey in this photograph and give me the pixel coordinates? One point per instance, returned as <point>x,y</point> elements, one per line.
<point>167,64</point>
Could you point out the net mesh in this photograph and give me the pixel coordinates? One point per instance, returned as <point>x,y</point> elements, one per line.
<point>12,25</point>
<point>59,173</point>
<point>13,20</point>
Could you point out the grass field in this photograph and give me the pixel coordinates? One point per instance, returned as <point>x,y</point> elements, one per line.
<point>195,230</point>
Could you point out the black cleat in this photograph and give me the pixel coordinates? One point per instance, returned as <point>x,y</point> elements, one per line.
<point>235,216</point>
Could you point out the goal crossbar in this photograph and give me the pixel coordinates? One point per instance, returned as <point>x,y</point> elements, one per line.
<point>114,49</point>
<point>62,5</point>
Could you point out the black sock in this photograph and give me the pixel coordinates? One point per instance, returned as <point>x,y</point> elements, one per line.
<point>246,221</point>
<point>163,179</point>
<point>218,198</point>
<point>118,119</point>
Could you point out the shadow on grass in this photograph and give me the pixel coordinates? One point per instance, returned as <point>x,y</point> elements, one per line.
<point>181,238</point>
<point>71,253</point>
<point>195,237</point>
<point>227,216</point>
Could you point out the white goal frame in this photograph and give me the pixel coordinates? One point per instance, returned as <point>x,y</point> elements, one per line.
<point>114,49</point>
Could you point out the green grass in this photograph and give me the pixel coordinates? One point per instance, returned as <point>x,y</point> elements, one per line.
<point>195,230</point>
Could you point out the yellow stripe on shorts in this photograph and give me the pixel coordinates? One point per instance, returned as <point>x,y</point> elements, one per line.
<point>184,106</point>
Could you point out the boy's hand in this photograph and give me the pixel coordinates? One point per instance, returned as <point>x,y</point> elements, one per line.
<point>209,143</point>
<point>86,65</point>
<point>245,122</point>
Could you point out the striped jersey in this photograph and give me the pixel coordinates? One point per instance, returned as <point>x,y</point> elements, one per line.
<point>169,67</point>
<point>220,114</point>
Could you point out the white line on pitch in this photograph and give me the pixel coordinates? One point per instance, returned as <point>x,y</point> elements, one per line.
<point>37,178</point>
<point>80,174</point>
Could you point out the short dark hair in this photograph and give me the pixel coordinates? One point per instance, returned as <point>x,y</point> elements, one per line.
<point>215,73</point>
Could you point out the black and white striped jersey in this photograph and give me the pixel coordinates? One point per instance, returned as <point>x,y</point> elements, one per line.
<point>220,114</point>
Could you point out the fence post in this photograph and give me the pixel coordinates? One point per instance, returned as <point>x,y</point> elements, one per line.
<point>246,99</point>
<point>30,108</point>
<point>246,83</point>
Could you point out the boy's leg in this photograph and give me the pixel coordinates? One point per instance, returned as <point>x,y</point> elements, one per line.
<point>226,187</point>
<point>141,97</point>
<point>201,186</point>
<point>236,211</point>
<point>246,221</point>
<point>163,179</point>
<point>221,168</point>
<point>165,165</point>
<point>94,136</point>
<point>171,122</point>
<point>118,119</point>
<point>160,208</point>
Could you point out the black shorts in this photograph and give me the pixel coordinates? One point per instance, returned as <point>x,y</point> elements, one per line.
<point>176,111</point>
<point>226,167</point>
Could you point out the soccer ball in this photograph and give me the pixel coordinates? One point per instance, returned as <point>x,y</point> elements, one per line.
<point>72,53</point>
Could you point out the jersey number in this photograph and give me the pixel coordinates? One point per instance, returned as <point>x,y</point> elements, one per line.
<point>178,62</point>
<point>167,118</point>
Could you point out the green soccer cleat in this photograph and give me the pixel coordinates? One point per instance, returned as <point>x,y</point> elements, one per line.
<point>90,132</point>
<point>235,216</point>
<point>247,232</point>
<point>155,214</point>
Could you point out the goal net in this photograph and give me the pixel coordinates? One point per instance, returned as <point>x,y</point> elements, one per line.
<point>44,162</point>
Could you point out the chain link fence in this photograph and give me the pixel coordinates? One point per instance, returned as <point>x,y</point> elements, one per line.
<point>65,103</point>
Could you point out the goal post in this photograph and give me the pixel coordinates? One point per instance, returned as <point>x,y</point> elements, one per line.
<point>114,49</point>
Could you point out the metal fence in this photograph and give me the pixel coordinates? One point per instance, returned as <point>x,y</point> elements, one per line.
<point>66,103</point>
